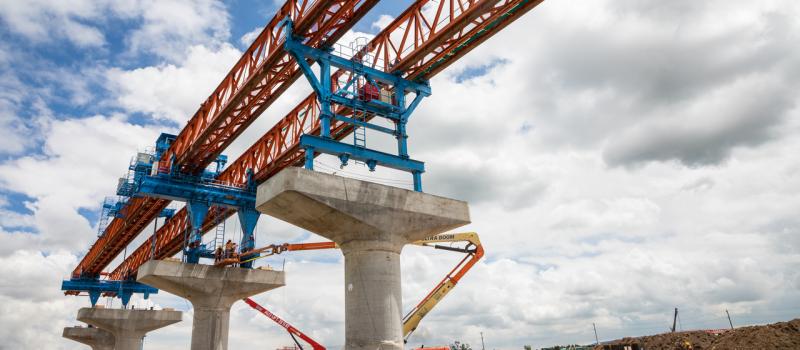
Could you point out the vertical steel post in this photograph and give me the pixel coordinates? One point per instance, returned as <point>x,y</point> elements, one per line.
<point>402,136</point>
<point>310,158</point>
<point>327,113</point>
<point>248,217</point>
<point>417,181</point>
<point>197,214</point>
<point>729,318</point>
<point>153,243</point>
<point>674,320</point>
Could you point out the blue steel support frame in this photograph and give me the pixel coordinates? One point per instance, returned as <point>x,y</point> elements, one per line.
<point>95,287</point>
<point>398,111</point>
<point>199,196</point>
<point>248,218</point>
<point>199,193</point>
<point>189,189</point>
<point>366,155</point>
<point>197,214</point>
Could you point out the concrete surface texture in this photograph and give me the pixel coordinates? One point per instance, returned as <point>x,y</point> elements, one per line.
<point>96,338</point>
<point>371,223</point>
<point>212,291</point>
<point>128,326</point>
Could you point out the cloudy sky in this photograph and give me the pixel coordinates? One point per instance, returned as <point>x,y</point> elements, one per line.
<point>621,158</point>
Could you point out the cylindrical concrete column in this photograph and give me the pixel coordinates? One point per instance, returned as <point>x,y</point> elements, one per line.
<point>212,291</point>
<point>373,296</point>
<point>210,324</point>
<point>128,340</point>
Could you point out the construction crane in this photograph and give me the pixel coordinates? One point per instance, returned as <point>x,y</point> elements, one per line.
<point>473,250</point>
<point>260,76</point>
<point>421,42</point>
<point>423,55</point>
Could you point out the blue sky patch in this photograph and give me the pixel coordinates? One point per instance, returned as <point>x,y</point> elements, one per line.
<point>479,71</point>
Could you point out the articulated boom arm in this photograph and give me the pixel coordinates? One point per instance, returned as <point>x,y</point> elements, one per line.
<point>289,328</point>
<point>457,32</point>
<point>473,249</point>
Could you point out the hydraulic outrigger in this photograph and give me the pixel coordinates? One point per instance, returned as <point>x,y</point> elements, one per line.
<point>473,249</point>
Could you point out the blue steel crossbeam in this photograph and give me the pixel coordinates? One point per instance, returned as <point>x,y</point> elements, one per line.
<point>347,152</point>
<point>368,93</point>
<point>95,287</point>
<point>147,178</point>
<point>194,189</point>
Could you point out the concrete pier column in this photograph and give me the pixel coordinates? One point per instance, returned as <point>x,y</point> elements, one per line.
<point>371,223</point>
<point>212,291</point>
<point>128,326</point>
<point>96,338</point>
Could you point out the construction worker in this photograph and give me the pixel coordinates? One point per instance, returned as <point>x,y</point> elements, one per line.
<point>228,249</point>
<point>218,254</point>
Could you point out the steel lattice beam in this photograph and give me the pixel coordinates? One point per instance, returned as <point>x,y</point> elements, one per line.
<point>263,73</point>
<point>466,25</point>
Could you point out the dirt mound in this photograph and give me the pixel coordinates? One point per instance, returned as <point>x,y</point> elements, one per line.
<point>781,335</point>
<point>669,341</point>
<point>778,336</point>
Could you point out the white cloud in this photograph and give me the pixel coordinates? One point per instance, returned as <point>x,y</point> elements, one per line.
<point>706,129</point>
<point>173,92</point>
<point>171,27</point>
<point>382,22</point>
<point>247,39</point>
<point>45,21</point>
<point>167,29</point>
<point>79,165</point>
<point>33,311</point>
<point>14,131</point>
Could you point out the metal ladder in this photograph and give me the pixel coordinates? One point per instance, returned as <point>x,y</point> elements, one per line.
<point>360,132</point>
<point>219,235</point>
<point>105,212</point>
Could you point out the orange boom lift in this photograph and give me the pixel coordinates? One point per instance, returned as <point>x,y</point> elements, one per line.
<point>472,249</point>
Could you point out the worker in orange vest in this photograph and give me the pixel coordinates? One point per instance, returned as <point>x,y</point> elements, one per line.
<point>217,254</point>
<point>228,249</point>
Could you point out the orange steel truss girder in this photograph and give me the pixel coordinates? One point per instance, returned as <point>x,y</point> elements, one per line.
<point>278,148</point>
<point>138,213</point>
<point>263,73</point>
<point>258,78</point>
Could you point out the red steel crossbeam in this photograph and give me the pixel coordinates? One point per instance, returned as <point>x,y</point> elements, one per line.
<point>263,73</point>
<point>278,148</point>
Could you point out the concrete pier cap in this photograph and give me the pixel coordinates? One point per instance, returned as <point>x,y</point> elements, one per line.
<point>371,223</point>
<point>348,210</point>
<point>212,291</point>
<point>96,338</point>
<point>128,326</point>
